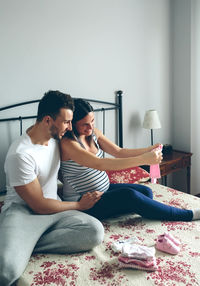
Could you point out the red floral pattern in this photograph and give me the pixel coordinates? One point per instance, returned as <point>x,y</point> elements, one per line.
<point>100,265</point>
<point>177,202</point>
<point>173,273</point>
<point>108,274</point>
<point>59,274</point>
<point>129,175</point>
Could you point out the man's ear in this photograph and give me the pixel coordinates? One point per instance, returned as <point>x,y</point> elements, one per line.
<point>47,119</point>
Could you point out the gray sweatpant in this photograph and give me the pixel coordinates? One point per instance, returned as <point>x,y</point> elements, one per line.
<point>23,232</point>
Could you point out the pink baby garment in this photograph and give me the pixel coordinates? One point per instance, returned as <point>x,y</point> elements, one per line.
<point>155,169</point>
<point>140,266</point>
<point>145,263</point>
<point>154,173</point>
<point>117,245</point>
<point>138,257</point>
<point>138,251</point>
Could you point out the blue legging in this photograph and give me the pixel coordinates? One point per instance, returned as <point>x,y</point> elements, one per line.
<point>126,198</point>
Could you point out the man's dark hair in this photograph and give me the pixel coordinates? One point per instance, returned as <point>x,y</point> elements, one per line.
<point>52,102</point>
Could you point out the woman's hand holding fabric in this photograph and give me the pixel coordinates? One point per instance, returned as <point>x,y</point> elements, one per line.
<point>153,157</point>
<point>150,148</point>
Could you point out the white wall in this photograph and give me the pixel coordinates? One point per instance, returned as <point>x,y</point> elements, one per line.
<point>181,82</point>
<point>186,86</point>
<point>90,49</point>
<point>181,73</point>
<point>195,95</point>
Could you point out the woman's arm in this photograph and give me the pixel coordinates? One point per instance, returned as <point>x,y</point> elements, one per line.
<point>114,150</point>
<point>71,149</point>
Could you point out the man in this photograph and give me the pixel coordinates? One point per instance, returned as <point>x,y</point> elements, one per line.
<point>33,218</point>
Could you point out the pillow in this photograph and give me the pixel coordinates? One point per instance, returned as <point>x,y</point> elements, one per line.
<point>130,175</point>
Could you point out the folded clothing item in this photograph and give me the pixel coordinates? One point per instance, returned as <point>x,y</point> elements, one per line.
<point>149,265</point>
<point>117,245</point>
<point>138,251</point>
<point>145,263</point>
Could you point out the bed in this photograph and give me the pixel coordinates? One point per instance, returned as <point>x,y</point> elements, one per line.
<point>100,266</point>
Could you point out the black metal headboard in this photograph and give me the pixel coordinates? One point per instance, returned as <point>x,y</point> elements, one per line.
<point>111,106</point>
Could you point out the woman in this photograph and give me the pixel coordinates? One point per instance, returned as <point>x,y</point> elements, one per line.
<point>85,180</point>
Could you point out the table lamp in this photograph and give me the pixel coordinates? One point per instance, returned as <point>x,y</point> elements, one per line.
<point>151,121</point>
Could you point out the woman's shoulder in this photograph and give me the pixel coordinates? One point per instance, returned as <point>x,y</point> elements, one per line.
<point>97,133</point>
<point>67,146</point>
<point>66,142</point>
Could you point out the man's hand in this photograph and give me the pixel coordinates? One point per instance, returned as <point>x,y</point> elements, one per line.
<point>89,199</point>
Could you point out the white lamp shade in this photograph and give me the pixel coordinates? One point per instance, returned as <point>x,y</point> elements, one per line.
<point>151,120</point>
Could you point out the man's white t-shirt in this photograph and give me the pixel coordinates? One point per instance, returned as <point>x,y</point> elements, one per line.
<point>26,161</point>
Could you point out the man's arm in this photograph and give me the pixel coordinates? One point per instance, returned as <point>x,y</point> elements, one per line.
<point>33,196</point>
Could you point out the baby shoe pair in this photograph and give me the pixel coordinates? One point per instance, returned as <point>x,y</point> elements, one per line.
<point>168,243</point>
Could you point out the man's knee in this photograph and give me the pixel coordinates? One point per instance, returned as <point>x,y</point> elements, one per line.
<point>95,232</point>
<point>82,232</point>
<point>8,272</point>
<point>91,232</point>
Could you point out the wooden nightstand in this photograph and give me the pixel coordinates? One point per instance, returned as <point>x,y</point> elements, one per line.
<point>173,162</point>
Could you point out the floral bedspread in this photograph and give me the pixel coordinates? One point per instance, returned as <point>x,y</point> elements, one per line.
<point>100,266</point>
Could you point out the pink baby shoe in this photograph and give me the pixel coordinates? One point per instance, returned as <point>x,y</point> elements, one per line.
<point>166,245</point>
<point>171,237</point>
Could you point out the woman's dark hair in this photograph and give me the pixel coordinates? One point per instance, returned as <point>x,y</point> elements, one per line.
<point>52,102</point>
<point>81,109</point>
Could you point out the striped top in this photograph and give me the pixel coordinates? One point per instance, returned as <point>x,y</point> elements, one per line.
<point>78,179</point>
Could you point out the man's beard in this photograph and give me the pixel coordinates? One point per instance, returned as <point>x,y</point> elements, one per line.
<point>54,133</point>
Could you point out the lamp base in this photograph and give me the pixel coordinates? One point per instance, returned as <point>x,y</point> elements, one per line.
<point>151,136</point>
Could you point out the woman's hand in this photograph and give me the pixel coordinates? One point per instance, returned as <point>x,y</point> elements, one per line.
<point>153,157</point>
<point>150,148</point>
<point>89,199</point>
